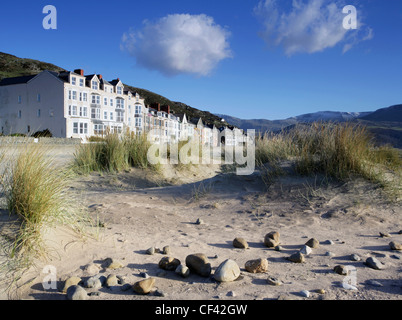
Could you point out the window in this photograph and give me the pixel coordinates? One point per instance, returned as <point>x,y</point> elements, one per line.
<point>95,113</point>
<point>83,111</point>
<point>74,95</point>
<point>138,122</point>
<point>119,90</point>
<point>111,116</point>
<point>105,115</point>
<point>98,128</point>
<point>72,110</point>
<point>105,101</point>
<point>73,81</point>
<point>38,113</point>
<point>81,82</point>
<point>105,88</point>
<point>119,116</point>
<point>120,103</point>
<point>83,128</point>
<point>19,114</point>
<point>38,97</point>
<point>69,95</point>
<point>94,85</point>
<point>80,96</point>
<point>85,97</point>
<point>75,127</point>
<point>95,99</point>
<point>111,102</point>
<point>137,109</point>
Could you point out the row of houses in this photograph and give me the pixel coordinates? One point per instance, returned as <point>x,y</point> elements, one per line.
<point>73,105</point>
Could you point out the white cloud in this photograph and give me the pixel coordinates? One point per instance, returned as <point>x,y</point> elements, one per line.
<point>179,43</point>
<point>309,26</point>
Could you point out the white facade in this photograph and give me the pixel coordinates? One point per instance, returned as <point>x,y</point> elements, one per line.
<point>72,105</point>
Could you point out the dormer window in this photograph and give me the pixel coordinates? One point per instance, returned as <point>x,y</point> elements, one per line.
<point>119,90</point>
<point>81,82</point>
<point>73,81</point>
<point>94,85</point>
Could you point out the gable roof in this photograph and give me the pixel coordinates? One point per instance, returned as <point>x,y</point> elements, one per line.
<point>16,80</point>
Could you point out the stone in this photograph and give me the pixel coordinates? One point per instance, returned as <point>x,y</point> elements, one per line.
<point>166,250</point>
<point>305,293</point>
<point>385,235</point>
<point>348,286</point>
<point>240,243</point>
<point>227,271</point>
<point>395,246</point>
<point>76,292</point>
<point>93,282</point>
<point>126,287</point>
<point>374,263</point>
<point>297,257</point>
<point>320,291</point>
<point>169,263</point>
<point>144,286</point>
<point>257,265</point>
<point>330,254</point>
<point>183,271</point>
<point>151,251</point>
<point>328,242</point>
<point>355,257</point>
<point>199,264</point>
<point>72,281</point>
<point>313,243</point>
<point>91,269</point>
<point>113,264</point>
<point>271,240</point>
<point>306,250</point>
<point>231,294</point>
<point>112,280</point>
<point>278,248</point>
<point>199,221</point>
<point>341,269</point>
<point>144,275</point>
<point>274,281</point>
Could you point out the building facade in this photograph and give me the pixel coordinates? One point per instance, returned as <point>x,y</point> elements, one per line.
<point>74,105</point>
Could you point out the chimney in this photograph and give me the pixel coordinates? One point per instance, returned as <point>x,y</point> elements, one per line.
<point>79,71</point>
<point>166,108</point>
<point>100,76</point>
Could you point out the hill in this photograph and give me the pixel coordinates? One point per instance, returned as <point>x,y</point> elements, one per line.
<point>12,66</point>
<point>393,114</point>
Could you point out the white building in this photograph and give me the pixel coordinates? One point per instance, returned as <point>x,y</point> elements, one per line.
<point>74,105</point>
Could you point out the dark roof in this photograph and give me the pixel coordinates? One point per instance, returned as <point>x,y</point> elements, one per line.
<point>16,80</point>
<point>114,82</point>
<point>103,81</point>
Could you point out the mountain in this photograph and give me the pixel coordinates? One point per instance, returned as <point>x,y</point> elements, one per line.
<point>12,66</point>
<point>263,125</point>
<point>393,114</point>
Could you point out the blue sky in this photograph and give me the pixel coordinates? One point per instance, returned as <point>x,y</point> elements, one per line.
<point>251,59</point>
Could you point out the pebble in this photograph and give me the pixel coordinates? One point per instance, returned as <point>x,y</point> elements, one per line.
<point>199,221</point>
<point>313,243</point>
<point>328,242</point>
<point>305,293</point>
<point>151,251</point>
<point>395,246</point>
<point>183,271</point>
<point>306,250</point>
<point>374,263</point>
<point>113,264</point>
<point>320,291</point>
<point>199,264</point>
<point>257,265</point>
<point>144,286</point>
<point>341,269</point>
<point>169,263</point>
<point>355,257</point>
<point>231,294</point>
<point>166,250</point>
<point>91,269</point>
<point>278,248</point>
<point>348,286</point>
<point>297,257</point>
<point>240,243</point>
<point>227,271</point>
<point>76,292</point>
<point>72,281</point>
<point>93,282</point>
<point>144,275</point>
<point>274,281</point>
<point>330,254</point>
<point>112,280</point>
<point>385,235</point>
<point>271,240</point>
<point>126,287</point>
